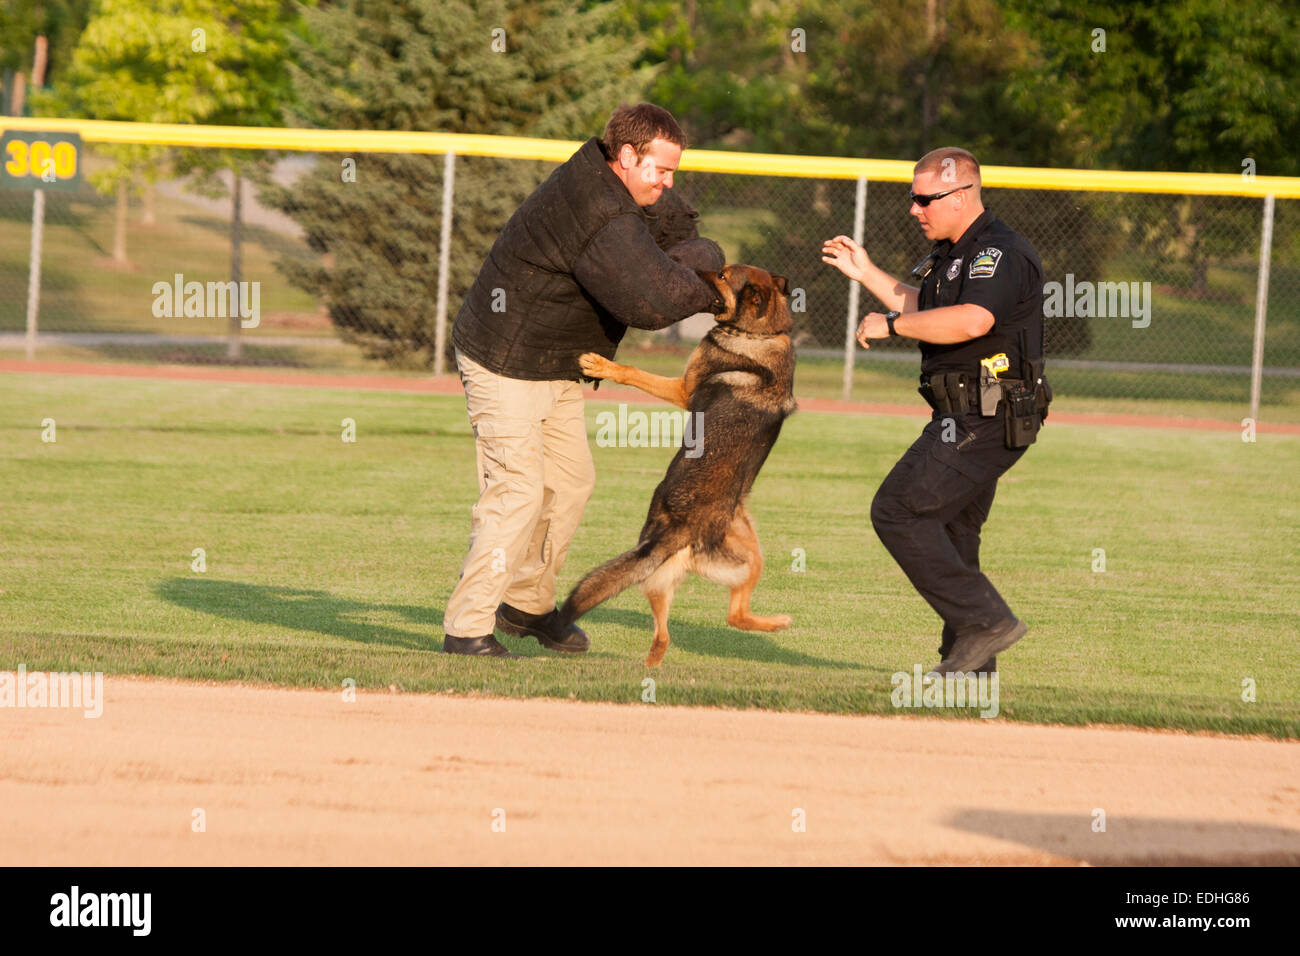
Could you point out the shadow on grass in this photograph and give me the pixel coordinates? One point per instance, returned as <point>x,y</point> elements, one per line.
<point>315,612</point>
<point>319,612</point>
<point>714,641</point>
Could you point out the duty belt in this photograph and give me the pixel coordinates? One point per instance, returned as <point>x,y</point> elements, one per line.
<point>950,393</point>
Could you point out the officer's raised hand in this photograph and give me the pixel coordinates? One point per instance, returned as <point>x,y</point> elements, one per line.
<point>847,256</point>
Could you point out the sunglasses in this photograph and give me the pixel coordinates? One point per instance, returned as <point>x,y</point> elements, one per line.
<point>924,201</point>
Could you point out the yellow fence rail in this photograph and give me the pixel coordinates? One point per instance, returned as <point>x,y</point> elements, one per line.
<point>702,160</point>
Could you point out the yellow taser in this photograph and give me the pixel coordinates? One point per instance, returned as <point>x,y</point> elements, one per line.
<point>996,364</point>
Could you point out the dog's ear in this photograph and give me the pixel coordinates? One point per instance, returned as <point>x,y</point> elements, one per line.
<point>782,284</point>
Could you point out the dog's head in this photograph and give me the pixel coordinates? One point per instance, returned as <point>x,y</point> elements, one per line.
<point>750,300</point>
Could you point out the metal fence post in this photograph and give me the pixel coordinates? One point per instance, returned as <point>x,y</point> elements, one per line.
<point>234,344</point>
<point>34,271</point>
<point>1261,308</point>
<point>444,262</point>
<point>851,320</point>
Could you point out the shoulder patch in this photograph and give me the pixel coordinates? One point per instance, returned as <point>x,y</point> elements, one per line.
<point>985,263</point>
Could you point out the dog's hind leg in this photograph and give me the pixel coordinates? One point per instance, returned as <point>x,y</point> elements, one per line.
<point>660,602</point>
<point>742,540</point>
<point>659,589</point>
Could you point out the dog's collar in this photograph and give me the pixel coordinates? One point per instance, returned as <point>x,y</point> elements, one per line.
<point>721,329</point>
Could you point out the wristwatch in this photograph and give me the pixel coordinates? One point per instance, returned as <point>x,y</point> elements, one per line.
<point>889,323</point>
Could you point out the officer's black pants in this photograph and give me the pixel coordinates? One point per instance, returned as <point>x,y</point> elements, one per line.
<point>929,511</point>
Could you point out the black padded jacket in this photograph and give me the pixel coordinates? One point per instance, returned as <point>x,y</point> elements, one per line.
<point>578,263</point>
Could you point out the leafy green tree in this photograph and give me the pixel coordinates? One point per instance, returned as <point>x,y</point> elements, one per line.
<point>554,68</point>
<point>732,74</point>
<point>886,79</point>
<point>1184,85</point>
<point>221,62</point>
<point>59,21</point>
<point>128,53</point>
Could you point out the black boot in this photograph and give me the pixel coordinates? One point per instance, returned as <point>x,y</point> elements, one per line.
<point>545,627</point>
<point>986,644</point>
<point>990,666</point>
<point>486,646</point>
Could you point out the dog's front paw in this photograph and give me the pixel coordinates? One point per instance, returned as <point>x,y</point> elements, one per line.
<point>596,365</point>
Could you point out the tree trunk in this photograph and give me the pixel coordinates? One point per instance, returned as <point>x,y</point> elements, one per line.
<point>1200,275</point>
<point>234,346</point>
<point>119,226</point>
<point>146,216</point>
<point>19,94</point>
<point>39,60</point>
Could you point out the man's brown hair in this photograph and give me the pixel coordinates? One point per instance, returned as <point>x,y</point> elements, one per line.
<point>638,126</point>
<point>952,163</point>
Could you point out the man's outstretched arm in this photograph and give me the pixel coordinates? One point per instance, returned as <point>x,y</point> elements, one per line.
<point>635,281</point>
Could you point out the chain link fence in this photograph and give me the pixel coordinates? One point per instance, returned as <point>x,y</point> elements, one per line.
<point>1149,296</point>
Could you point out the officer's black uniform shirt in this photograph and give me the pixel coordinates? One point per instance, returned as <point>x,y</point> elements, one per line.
<point>994,267</point>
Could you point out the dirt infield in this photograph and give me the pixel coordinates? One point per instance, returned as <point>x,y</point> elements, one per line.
<point>450,385</point>
<point>304,777</point>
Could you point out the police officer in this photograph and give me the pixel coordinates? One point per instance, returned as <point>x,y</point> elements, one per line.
<point>979,319</point>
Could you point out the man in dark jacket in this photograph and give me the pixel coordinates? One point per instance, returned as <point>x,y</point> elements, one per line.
<point>603,244</point>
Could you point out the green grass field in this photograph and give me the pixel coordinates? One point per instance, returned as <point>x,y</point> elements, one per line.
<point>327,561</point>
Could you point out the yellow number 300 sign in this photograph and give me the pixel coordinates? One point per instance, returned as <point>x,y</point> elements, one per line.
<point>40,161</point>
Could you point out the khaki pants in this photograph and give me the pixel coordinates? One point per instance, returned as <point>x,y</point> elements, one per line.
<point>535,474</point>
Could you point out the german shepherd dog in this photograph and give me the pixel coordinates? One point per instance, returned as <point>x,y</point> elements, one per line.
<point>737,387</point>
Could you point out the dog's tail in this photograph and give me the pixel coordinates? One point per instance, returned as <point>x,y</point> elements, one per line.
<point>615,576</point>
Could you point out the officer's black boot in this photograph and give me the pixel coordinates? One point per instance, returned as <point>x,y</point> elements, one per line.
<point>945,646</point>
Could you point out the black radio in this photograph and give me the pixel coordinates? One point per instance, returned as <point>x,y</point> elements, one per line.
<point>1022,415</point>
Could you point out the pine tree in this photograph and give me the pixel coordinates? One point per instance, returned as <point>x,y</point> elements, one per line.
<point>373,219</point>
